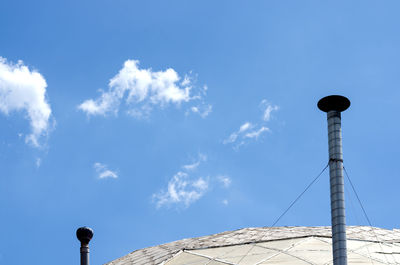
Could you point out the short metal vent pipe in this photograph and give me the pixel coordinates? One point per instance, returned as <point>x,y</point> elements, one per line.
<point>84,234</point>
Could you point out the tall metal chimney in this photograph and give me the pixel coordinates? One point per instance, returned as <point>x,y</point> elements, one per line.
<point>333,106</point>
<point>84,234</point>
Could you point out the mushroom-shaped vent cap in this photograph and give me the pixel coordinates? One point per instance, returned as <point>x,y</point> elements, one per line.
<point>334,102</point>
<point>84,234</point>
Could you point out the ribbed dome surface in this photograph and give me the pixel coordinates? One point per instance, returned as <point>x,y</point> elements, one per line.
<point>272,245</point>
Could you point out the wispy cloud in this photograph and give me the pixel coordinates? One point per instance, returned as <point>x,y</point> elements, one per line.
<point>144,89</point>
<point>181,190</point>
<point>193,166</point>
<point>103,172</point>
<point>268,109</point>
<point>203,110</point>
<point>22,89</point>
<point>188,186</point>
<point>250,130</point>
<point>38,162</point>
<point>257,133</point>
<point>243,128</point>
<point>225,181</point>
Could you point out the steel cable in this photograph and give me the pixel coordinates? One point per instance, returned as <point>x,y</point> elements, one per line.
<point>301,194</point>
<point>365,212</point>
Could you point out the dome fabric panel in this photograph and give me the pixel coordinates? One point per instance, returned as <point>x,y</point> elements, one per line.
<point>272,245</point>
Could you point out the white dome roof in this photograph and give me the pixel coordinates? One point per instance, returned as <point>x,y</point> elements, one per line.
<point>272,245</point>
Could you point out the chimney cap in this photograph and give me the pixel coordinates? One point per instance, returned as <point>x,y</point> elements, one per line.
<point>84,234</point>
<point>334,102</point>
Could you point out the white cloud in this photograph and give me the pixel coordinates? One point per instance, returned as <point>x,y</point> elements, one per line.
<point>203,110</point>
<point>268,109</point>
<point>225,202</point>
<point>193,166</point>
<point>226,181</point>
<point>144,89</point>
<point>103,171</point>
<point>187,186</point>
<point>233,137</point>
<point>249,130</point>
<point>22,89</point>
<point>38,162</point>
<point>201,184</point>
<point>257,133</point>
<point>181,190</point>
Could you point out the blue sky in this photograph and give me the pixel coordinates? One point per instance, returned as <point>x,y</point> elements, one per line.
<point>153,121</point>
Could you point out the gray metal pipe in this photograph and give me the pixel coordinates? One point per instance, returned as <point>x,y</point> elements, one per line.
<point>84,234</point>
<point>85,255</point>
<point>333,106</point>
